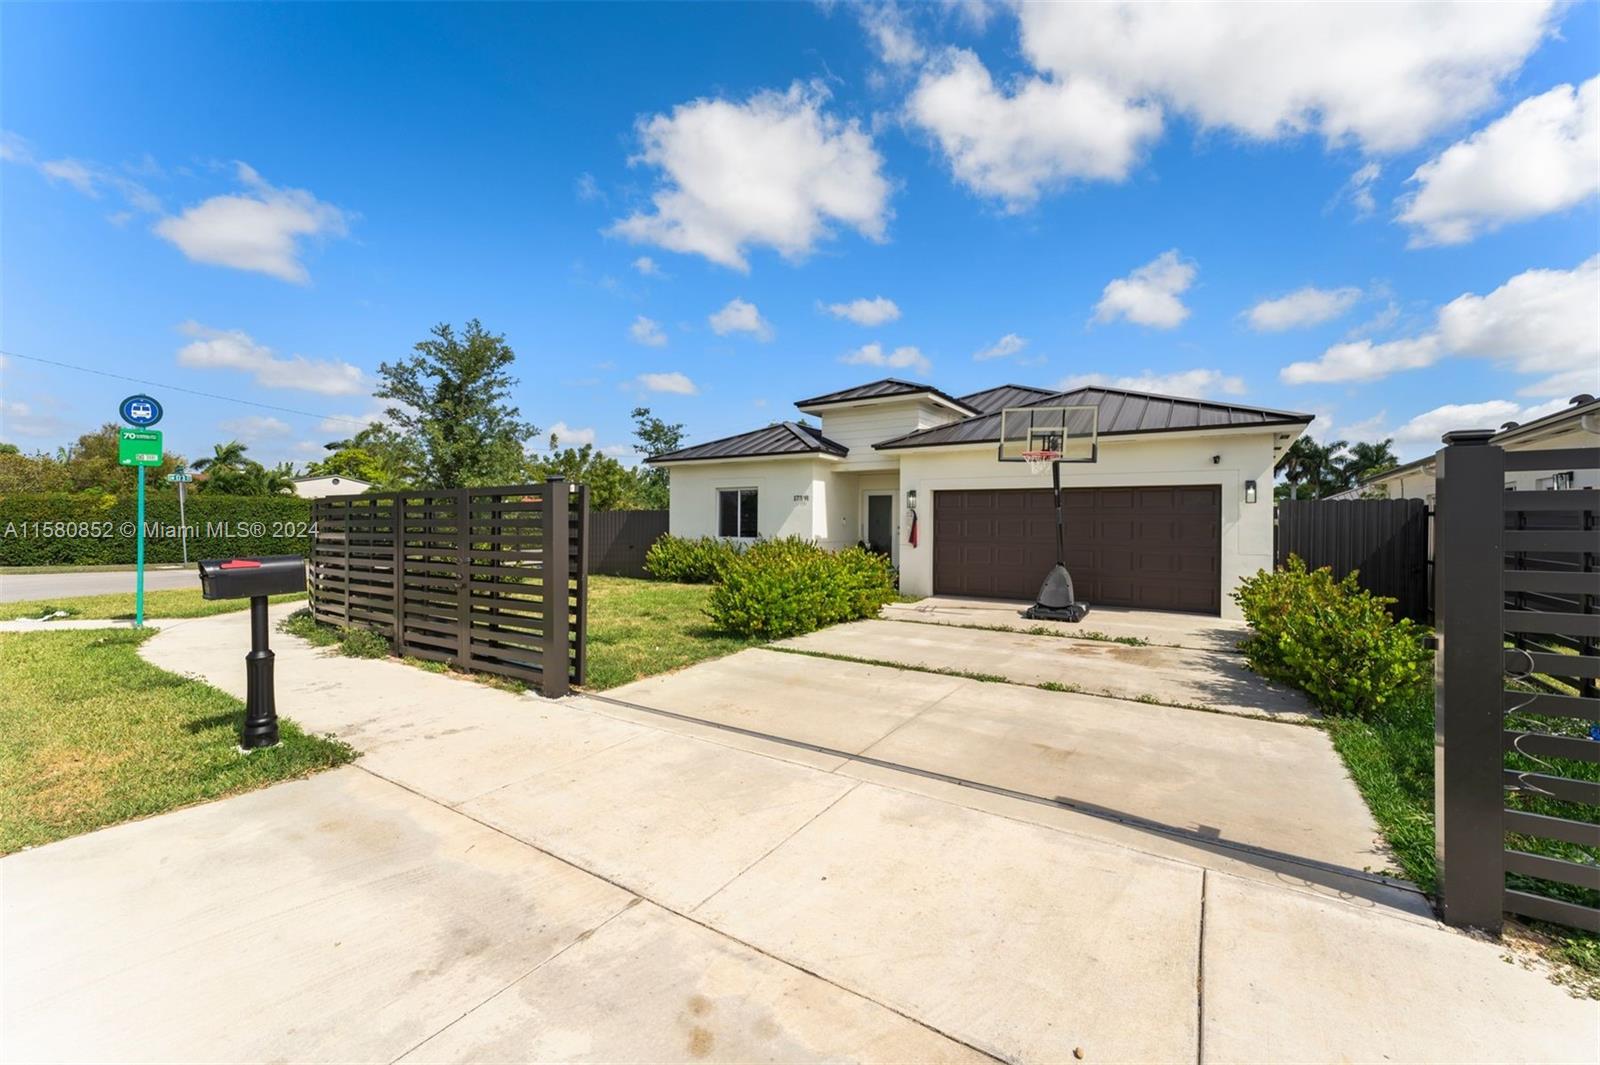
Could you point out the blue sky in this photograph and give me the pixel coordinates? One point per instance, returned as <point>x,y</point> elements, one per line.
<point>660,204</point>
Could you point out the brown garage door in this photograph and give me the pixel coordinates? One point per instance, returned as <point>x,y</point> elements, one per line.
<point>1158,548</point>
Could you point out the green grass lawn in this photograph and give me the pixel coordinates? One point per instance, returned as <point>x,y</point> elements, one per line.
<point>170,603</point>
<point>91,734</point>
<point>1390,757</point>
<point>638,628</point>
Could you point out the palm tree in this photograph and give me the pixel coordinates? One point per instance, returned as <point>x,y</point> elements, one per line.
<point>1310,464</point>
<point>229,456</point>
<point>1368,460</point>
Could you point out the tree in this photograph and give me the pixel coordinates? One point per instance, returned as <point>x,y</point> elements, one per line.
<point>89,464</point>
<point>1312,470</point>
<point>612,486</point>
<point>229,456</point>
<point>377,454</point>
<point>451,396</point>
<point>655,437</point>
<point>1368,460</point>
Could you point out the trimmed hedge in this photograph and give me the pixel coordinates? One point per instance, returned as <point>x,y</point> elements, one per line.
<point>95,530</point>
<point>779,588</point>
<point>1334,640</point>
<point>699,560</point>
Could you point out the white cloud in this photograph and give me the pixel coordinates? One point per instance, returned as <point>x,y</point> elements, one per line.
<point>1542,157</point>
<point>566,436</point>
<point>1359,188</point>
<point>740,317</point>
<point>866,312</point>
<point>1013,143</point>
<point>1149,295</point>
<point>1385,76</point>
<point>900,358</point>
<point>88,178</point>
<point>774,171</point>
<point>1302,307</point>
<point>1363,360</point>
<point>892,36</point>
<point>674,382</point>
<point>19,419</point>
<point>73,173</point>
<point>1180,383</point>
<point>587,188</point>
<point>647,331</point>
<point>647,266</point>
<point>1541,322</point>
<point>259,229</point>
<point>1006,346</point>
<point>234,349</point>
<point>1429,426</point>
<point>256,428</point>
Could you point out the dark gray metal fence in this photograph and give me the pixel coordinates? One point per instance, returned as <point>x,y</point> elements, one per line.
<point>1385,540</point>
<point>1517,714</point>
<point>490,579</point>
<point>618,540</point>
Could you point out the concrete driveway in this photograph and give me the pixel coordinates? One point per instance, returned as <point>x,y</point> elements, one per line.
<point>509,878</point>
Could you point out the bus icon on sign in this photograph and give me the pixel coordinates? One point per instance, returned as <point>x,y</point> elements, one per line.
<point>140,410</point>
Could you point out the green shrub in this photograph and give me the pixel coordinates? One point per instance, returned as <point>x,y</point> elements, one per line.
<point>786,587</point>
<point>352,642</point>
<point>97,530</point>
<point>362,643</point>
<point>690,561</point>
<point>1332,639</point>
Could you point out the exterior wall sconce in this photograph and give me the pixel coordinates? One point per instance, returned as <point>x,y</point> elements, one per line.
<point>911,499</point>
<point>1249,491</point>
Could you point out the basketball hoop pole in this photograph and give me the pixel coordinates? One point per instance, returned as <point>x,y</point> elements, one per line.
<point>1061,536</point>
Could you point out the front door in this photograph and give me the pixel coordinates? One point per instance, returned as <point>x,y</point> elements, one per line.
<point>880,523</point>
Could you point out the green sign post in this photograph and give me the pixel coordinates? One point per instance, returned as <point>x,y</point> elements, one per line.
<point>139,448</point>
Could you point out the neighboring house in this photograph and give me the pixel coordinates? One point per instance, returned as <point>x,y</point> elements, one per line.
<point>317,487</point>
<point>1576,425</point>
<point>1176,510</point>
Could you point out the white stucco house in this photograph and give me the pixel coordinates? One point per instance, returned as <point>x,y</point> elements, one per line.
<point>1177,508</point>
<point>318,487</point>
<point>1575,425</point>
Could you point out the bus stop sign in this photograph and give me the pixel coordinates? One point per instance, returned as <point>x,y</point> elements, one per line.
<point>139,447</point>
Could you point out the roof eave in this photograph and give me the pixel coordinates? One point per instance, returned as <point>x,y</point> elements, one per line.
<point>909,441</point>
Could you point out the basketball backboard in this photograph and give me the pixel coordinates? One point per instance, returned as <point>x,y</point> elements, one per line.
<point>1071,432</point>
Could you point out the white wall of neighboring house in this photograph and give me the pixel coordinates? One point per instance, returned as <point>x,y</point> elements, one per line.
<point>1162,459</point>
<point>317,487</point>
<point>1574,435</point>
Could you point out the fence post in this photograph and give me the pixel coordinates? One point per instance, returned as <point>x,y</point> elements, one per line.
<point>553,682</point>
<point>1469,667</point>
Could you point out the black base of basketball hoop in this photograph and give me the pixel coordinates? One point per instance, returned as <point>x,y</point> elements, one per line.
<point>1056,601</point>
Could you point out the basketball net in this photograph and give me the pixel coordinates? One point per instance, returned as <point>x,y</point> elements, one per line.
<point>1039,461</point>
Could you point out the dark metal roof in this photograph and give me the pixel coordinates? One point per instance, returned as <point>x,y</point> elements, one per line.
<point>1001,396</point>
<point>889,386</point>
<point>1121,412</point>
<point>783,438</point>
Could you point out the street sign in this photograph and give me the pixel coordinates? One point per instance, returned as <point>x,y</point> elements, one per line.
<point>180,477</point>
<point>141,410</point>
<point>139,447</point>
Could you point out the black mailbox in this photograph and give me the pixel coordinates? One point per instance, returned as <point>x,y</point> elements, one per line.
<point>246,578</point>
<point>255,579</point>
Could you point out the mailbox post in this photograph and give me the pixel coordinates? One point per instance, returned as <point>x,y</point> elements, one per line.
<point>255,579</point>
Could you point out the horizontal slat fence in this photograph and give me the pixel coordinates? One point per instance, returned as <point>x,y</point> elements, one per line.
<point>1516,701</point>
<point>490,579</point>
<point>619,539</point>
<point>1385,541</point>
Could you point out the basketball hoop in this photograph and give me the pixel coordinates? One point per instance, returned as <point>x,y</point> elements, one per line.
<point>1039,461</point>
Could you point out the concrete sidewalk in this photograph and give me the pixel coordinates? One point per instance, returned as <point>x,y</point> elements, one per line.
<point>482,903</point>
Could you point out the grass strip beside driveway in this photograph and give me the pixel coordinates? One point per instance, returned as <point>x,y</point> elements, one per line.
<point>638,628</point>
<point>171,603</point>
<point>91,734</point>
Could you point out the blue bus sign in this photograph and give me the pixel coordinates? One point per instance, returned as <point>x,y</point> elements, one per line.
<point>140,410</point>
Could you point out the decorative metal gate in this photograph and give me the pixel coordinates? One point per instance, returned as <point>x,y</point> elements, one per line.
<point>491,579</point>
<point>1517,710</point>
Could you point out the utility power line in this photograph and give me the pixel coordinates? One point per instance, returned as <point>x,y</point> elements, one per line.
<point>357,422</point>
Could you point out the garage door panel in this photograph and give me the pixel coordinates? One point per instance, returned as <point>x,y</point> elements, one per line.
<point>1154,547</point>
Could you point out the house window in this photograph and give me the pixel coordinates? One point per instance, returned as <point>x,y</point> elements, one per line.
<point>736,513</point>
<point>1558,482</point>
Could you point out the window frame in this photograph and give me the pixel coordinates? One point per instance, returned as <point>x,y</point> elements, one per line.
<point>740,492</point>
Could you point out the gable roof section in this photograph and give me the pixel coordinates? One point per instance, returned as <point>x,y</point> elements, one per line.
<point>1121,412</point>
<point>784,438</point>
<point>888,388</point>
<point>1001,396</point>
